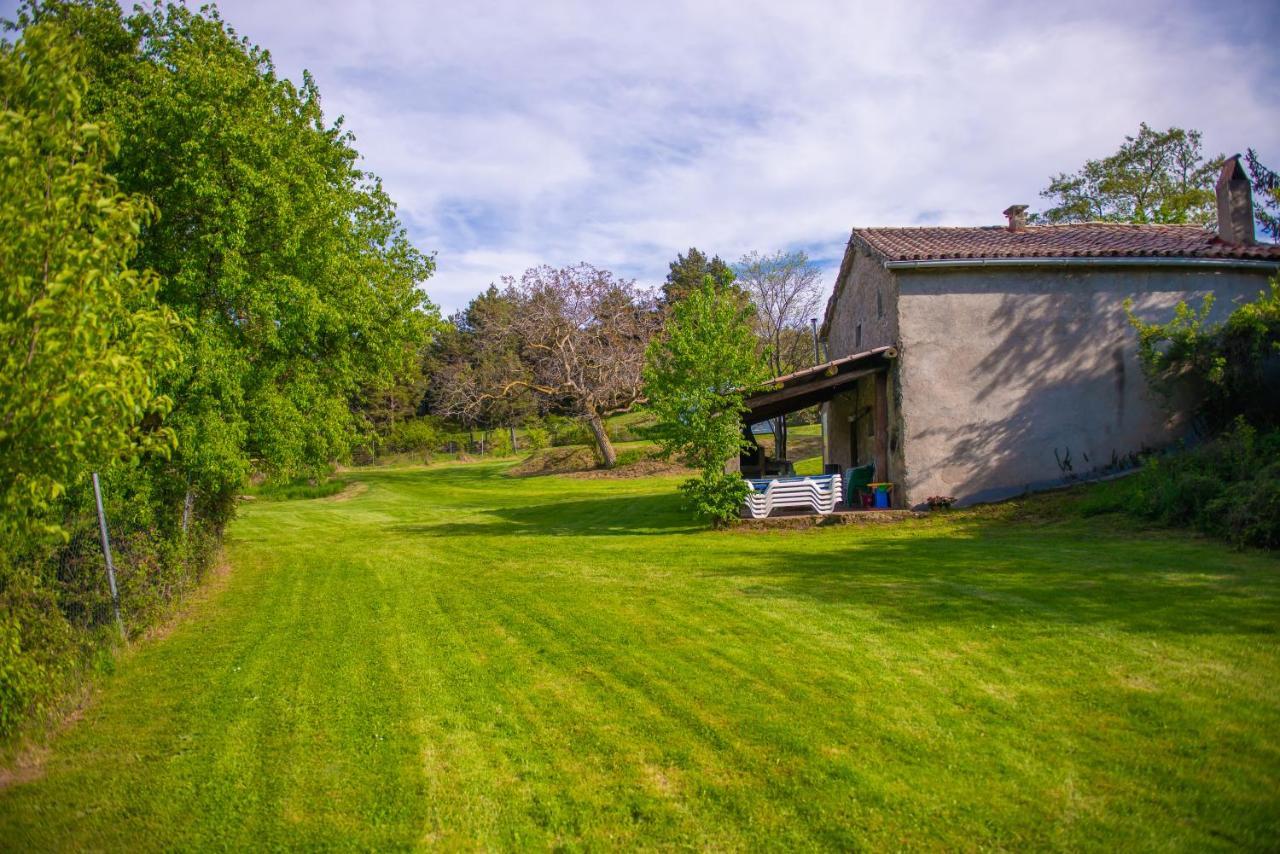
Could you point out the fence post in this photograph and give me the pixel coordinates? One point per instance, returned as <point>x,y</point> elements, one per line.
<point>106,552</point>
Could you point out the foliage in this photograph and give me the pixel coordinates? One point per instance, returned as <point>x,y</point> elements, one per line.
<point>687,271</point>
<point>1266,189</point>
<point>82,334</point>
<point>299,488</point>
<point>1155,177</point>
<point>1231,368</point>
<point>479,379</point>
<point>940,502</point>
<point>697,375</point>
<point>1228,487</point>
<point>281,318</point>
<point>417,435</point>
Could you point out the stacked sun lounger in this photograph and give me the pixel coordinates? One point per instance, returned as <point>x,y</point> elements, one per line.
<point>819,493</point>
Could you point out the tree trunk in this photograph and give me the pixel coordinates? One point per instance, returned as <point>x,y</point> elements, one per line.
<point>780,438</point>
<point>511,428</point>
<point>607,453</point>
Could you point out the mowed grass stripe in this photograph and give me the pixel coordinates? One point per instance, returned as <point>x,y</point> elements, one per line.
<point>456,658</point>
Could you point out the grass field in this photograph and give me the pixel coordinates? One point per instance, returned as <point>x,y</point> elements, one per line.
<point>452,657</point>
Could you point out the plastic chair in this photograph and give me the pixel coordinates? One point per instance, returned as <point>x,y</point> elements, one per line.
<point>856,482</point>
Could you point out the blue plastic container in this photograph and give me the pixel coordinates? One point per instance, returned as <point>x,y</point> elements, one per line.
<point>882,498</point>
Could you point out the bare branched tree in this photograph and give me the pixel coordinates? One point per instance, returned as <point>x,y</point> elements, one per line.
<point>786,291</point>
<point>583,334</point>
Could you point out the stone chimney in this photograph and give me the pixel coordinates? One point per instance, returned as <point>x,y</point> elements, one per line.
<point>1235,203</point>
<point>1017,215</point>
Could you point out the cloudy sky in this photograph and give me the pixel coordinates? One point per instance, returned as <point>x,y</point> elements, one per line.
<point>517,133</point>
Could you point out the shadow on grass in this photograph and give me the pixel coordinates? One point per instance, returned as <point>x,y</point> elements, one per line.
<point>1012,574</point>
<point>630,515</point>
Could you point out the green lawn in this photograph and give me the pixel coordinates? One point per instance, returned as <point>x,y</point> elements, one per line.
<point>462,659</point>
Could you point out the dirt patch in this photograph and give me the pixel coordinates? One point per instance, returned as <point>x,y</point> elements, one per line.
<point>567,460</point>
<point>28,763</point>
<point>640,468</point>
<point>353,489</point>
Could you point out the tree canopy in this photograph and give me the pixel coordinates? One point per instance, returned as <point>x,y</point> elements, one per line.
<point>1155,177</point>
<point>286,261</point>
<point>687,272</point>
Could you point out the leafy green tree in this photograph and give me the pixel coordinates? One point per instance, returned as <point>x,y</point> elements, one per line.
<point>697,376</point>
<point>287,261</point>
<point>1155,177</point>
<point>82,335</point>
<point>1266,190</point>
<point>687,272</point>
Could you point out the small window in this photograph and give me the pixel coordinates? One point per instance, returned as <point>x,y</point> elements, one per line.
<point>879,304</point>
<point>857,336</point>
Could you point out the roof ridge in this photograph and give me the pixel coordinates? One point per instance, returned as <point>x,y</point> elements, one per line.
<point>1092,222</point>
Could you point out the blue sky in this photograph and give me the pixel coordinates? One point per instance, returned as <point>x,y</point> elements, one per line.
<point>517,133</point>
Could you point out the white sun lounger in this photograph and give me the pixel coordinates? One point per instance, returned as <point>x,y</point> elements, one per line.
<point>819,493</point>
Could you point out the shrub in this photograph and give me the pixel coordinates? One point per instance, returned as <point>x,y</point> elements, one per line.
<point>568,431</point>
<point>1228,487</point>
<point>716,496</point>
<point>536,437</point>
<point>412,435</point>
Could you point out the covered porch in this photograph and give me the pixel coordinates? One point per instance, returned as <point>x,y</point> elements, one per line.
<point>856,432</point>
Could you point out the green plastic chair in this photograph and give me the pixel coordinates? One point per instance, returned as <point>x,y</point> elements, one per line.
<point>856,483</point>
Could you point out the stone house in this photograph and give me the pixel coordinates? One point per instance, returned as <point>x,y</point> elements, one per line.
<point>1005,360</point>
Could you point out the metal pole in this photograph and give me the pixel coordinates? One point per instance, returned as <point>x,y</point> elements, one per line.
<point>822,412</point>
<point>106,551</point>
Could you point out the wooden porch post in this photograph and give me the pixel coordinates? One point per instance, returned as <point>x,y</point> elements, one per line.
<point>882,426</point>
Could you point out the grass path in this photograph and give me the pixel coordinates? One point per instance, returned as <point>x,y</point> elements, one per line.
<point>462,659</point>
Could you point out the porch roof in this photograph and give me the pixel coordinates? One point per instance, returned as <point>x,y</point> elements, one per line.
<point>807,387</point>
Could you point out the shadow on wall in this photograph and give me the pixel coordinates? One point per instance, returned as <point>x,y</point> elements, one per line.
<point>1059,396</point>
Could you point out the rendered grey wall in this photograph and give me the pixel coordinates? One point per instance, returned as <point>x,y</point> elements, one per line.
<point>1014,377</point>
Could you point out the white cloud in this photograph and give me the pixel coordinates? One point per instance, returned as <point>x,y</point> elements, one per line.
<point>516,133</point>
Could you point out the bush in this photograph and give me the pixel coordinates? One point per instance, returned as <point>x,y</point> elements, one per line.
<point>536,437</point>
<point>413,435</point>
<point>715,496</point>
<point>1228,487</point>
<point>568,431</point>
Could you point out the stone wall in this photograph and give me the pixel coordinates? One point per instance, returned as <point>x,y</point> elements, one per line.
<point>868,296</point>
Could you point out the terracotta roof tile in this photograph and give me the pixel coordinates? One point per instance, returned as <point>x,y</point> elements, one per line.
<point>1082,240</point>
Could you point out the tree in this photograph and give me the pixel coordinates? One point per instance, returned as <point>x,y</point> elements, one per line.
<point>786,292</point>
<point>82,335</point>
<point>479,379</point>
<point>1155,177</point>
<point>687,272</point>
<point>697,376</point>
<point>1266,186</point>
<point>582,335</point>
<point>287,262</point>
